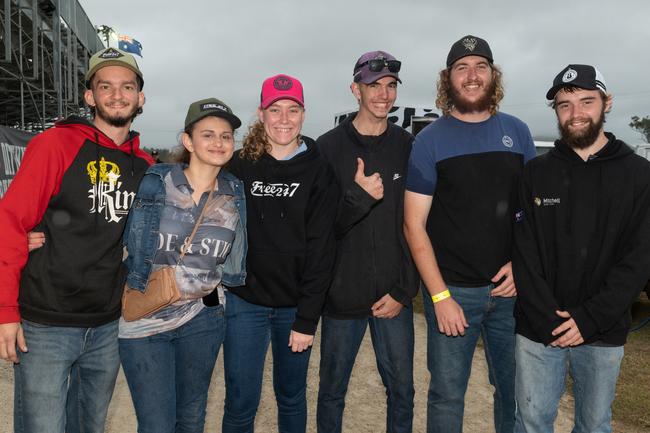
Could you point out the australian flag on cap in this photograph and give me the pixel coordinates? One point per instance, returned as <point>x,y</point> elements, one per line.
<point>130,45</point>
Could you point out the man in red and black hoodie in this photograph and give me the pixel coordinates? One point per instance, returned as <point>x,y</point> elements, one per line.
<point>59,305</point>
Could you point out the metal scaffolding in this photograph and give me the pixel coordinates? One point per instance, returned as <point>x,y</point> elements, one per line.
<point>44,50</point>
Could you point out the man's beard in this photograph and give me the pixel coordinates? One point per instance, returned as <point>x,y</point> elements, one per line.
<point>464,106</point>
<point>116,121</point>
<point>583,138</point>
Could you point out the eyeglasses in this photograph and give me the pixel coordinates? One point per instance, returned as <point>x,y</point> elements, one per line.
<point>376,65</point>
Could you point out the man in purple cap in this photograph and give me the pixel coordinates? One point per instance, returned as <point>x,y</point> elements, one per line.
<point>459,209</point>
<point>374,278</point>
<point>581,257</point>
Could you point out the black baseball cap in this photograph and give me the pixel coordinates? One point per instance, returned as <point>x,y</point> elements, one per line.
<point>582,76</point>
<point>469,46</point>
<point>210,107</point>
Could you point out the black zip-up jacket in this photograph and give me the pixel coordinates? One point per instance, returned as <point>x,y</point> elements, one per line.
<point>290,208</point>
<point>582,242</point>
<point>373,258</point>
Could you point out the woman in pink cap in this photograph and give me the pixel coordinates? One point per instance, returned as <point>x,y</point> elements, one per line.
<point>291,200</point>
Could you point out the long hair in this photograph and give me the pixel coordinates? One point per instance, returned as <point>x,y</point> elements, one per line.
<point>444,100</point>
<point>255,142</point>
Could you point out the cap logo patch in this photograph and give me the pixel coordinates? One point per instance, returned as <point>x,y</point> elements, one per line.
<point>282,83</point>
<point>569,76</point>
<point>538,201</point>
<point>213,106</point>
<point>110,53</point>
<point>469,44</point>
<point>507,141</point>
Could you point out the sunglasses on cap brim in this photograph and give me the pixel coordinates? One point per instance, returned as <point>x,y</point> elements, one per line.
<point>377,65</point>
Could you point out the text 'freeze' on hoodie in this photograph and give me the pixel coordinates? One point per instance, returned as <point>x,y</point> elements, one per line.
<point>290,207</point>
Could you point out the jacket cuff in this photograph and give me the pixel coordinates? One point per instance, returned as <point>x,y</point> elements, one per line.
<point>361,196</point>
<point>400,295</point>
<point>304,326</point>
<point>587,327</point>
<point>9,315</point>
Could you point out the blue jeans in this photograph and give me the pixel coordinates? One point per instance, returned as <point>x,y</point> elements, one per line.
<point>392,340</point>
<point>541,378</point>
<point>250,328</point>
<point>449,359</point>
<point>169,373</point>
<point>66,379</point>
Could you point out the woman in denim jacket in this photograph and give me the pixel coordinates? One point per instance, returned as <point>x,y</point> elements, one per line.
<point>168,356</point>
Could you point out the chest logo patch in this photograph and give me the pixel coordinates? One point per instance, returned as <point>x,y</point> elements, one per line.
<point>546,201</point>
<point>105,194</point>
<point>507,141</point>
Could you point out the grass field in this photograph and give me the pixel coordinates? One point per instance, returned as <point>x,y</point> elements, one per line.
<point>632,404</point>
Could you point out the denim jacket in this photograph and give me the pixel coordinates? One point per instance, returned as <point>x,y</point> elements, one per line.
<point>142,226</point>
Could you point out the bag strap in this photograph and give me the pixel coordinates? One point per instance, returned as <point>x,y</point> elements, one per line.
<point>188,241</point>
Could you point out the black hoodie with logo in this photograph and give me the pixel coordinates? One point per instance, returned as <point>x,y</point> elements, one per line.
<point>582,242</point>
<point>290,212</point>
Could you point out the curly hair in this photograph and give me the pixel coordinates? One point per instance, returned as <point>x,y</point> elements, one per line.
<point>445,100</point>
<point>255,142</point>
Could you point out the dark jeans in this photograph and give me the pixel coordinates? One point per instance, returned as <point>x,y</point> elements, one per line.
<point>392,340</point>
<point>449,359</point>
<point>250,329</point>
<point>169,373</point>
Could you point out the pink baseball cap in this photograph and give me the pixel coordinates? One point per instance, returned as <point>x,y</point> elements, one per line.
<point>281,87</point>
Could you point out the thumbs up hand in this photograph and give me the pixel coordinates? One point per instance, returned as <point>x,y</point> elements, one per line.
<point>372,184</point>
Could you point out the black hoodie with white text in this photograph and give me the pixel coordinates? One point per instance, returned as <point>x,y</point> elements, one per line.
<point>290,209</point>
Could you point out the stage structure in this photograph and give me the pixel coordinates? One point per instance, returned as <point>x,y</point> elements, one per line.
<point>44,50</point>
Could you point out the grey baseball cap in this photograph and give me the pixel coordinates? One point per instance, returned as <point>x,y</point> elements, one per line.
<point>112,57</point>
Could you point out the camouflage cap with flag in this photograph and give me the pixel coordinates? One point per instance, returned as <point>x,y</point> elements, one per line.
<point>112,57</point>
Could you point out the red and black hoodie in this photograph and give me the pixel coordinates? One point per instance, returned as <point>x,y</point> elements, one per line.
<point>76,185</point>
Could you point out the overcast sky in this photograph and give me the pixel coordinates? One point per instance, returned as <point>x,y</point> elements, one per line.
<point>195,49</point>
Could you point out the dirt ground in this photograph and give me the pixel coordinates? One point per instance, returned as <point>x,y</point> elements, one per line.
<point>365,404</point>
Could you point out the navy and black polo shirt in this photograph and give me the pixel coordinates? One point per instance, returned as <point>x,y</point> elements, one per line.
<point>471,170</point>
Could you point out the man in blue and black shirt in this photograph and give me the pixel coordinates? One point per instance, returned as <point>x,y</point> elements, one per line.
<point>459,211</point>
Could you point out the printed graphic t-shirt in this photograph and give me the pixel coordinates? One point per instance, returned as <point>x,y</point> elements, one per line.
<point>200,271</point>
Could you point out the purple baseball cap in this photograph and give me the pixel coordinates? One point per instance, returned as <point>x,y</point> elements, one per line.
<point>363,73</point>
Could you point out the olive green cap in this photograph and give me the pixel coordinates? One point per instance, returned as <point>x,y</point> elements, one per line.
<point>210,107</point>
<point>112,57</point>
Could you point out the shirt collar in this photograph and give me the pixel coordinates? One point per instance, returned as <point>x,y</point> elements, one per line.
<point>180,180</point>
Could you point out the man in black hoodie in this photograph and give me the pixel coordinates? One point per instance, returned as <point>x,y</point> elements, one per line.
<point>374,279</point>
<point>581,257</point>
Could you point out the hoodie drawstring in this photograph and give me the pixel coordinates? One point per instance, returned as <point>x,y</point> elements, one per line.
<point>97,192</point>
